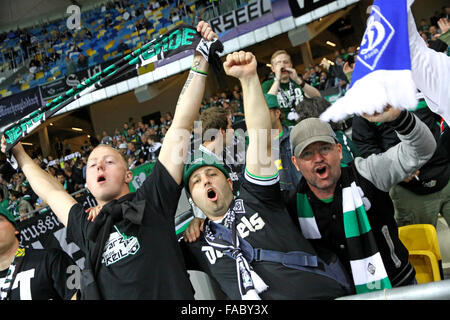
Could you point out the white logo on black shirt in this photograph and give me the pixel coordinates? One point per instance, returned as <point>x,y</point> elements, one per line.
<point>119,246</point>
<point>244,227</point>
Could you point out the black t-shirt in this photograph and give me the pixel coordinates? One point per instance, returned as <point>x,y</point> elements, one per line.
<point>44,274</point>
<point>140,261</point>
<point>265,224</point>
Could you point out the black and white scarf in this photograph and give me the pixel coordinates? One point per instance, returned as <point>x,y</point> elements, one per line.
<point>250,283</point>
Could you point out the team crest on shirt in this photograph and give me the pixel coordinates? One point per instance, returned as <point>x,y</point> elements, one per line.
<point>371,268</point>
<point>118,247</point>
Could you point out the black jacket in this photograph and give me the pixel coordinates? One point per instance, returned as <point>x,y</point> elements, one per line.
<point>371,138</point>
<point>329,217</point>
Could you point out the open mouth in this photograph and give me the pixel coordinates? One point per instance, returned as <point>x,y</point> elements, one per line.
<point>211,194</point>
<point>322,171</point>
<point>101,179</point>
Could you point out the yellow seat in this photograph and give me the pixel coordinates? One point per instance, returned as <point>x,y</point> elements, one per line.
<point>109,45</point>
<point>90,52</point>
<point>39,75</point>
<point>426,266</point>
<point>101,33</point>
<point>424,252</point>
<point>25,86</point>
<point>106,56</point>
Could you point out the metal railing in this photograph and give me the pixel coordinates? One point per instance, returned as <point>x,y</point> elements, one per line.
<point>439,290</point>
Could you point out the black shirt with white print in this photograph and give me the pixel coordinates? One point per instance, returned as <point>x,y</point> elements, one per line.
<point>44,274</point>
<point>264,223</point>
<point>140,261</point>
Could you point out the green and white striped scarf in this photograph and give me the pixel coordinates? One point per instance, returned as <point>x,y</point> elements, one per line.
<point>368,271</point>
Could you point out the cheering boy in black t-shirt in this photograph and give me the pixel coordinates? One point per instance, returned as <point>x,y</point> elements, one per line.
<point>249,244</point>
<point>131,250</point>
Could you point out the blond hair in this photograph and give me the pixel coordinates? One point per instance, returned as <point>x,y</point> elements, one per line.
<point>277,53</point>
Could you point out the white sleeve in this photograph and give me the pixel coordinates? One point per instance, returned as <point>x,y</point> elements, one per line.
<point>430,71</point>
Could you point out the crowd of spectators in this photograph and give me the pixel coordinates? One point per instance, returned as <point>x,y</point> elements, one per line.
<point>431,29</point>
<point>140,141</point>
<point>42,50</point>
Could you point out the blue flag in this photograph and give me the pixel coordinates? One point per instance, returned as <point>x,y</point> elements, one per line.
<point>382,74</point>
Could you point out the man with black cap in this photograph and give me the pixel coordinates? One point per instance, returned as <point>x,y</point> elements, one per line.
<point>31,274</point>
<point>249,244</point>
<point>345,209</point>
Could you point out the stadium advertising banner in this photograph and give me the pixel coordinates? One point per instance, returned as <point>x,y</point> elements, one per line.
<point>140,174</point>
<point>53,89</point>
<point>301,7</point>
<point>44,230</point>
<point>59,86</point>
<point>17,106</point>
<point>240,16</point>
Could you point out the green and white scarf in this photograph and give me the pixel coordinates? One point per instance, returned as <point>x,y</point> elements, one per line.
<point>368,271</point>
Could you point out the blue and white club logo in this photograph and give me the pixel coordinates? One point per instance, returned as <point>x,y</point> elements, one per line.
<point>379,33</point>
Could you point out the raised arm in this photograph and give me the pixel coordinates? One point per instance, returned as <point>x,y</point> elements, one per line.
<point>416,147</point>
<point>242,65</point>
<point>176,141</point>
<point>43,184</point>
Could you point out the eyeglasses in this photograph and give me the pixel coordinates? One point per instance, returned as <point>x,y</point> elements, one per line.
<point>323,150</point>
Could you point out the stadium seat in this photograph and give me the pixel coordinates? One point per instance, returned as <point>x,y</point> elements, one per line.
<point>424,252</point>
<point>39,75</point>
<point>110,45</point>
<point>118,27</point>
<point>90,52</point>
<point>426,266</point>
<point>25,86</point>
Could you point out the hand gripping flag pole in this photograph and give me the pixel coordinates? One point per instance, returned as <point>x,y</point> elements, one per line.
<point>382,74</point>
<point>179,39</point>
